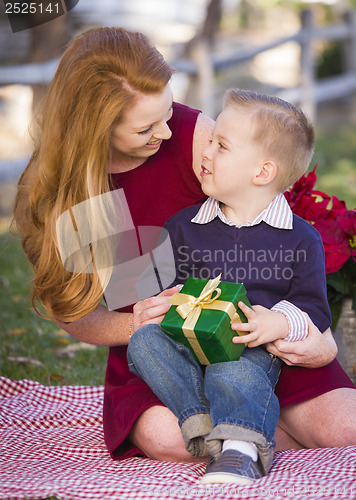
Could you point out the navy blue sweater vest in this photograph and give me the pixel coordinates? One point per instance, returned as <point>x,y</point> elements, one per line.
<point>273,264</point>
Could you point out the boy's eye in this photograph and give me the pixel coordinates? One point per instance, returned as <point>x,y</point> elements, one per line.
<point>145,131</point>
<point>221,145</point>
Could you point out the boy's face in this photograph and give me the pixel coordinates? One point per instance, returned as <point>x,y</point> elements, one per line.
<point>233,157</point>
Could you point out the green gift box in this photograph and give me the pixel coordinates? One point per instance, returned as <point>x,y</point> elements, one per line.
<point>201,315</point>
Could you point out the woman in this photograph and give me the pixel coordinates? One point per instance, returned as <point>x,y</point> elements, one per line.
<point>109,110</point>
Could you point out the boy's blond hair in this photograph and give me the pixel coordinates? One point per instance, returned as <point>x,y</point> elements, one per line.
<point>281,129</point>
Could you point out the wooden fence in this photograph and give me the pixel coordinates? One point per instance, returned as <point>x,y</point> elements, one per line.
<point>203,68</point>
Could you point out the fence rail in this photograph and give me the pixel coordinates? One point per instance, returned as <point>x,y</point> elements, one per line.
<point>203,68</point>
<point>29,74</point>
<point>310,91</point>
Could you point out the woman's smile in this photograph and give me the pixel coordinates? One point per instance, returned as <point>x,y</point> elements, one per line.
<point>154,144</point>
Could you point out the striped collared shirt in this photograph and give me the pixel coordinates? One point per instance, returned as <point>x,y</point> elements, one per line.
<point>279,215</point>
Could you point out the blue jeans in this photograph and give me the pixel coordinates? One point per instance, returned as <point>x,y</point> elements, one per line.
<point>230,400</point>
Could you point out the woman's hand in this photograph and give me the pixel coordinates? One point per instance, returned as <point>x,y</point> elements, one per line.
<point>153,309</point>
<point>313,352</point>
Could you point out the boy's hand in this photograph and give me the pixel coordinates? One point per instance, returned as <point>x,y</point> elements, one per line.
<point>264,326</point>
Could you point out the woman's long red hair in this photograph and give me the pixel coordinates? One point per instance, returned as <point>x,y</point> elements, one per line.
<point>99,77</point>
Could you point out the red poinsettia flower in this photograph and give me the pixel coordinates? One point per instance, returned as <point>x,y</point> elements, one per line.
<point>329,216</point>
<point>348,225</point>
<point>338,207</point>
<point>336,244</point>
<point>312,207</point>
<point>300,189</point>
<point>337,227</point>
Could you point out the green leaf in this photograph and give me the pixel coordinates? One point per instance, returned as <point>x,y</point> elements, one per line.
<point>335,308</point>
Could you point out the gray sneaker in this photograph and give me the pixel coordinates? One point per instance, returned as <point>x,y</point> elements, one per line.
<point>231,467</point>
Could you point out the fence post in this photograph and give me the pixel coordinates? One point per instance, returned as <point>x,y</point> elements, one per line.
<point>200,91</point>
<point>307,76</point>
<point>350,59</point>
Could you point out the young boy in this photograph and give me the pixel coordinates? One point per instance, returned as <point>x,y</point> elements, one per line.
<point>247,232</point>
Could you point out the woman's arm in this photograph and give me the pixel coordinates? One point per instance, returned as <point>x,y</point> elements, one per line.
<point>110,328</point>
<point>101,327</point>
<point>318,349</point>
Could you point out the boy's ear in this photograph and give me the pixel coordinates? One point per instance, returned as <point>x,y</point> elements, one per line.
<point>266,174</point>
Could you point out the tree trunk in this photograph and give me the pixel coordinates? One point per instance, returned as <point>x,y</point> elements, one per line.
<point>200,93</point>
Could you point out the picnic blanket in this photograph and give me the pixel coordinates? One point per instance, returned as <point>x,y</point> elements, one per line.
<point>51,443</point>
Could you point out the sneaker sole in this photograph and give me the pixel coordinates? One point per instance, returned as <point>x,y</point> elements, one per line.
<point>225,478</point>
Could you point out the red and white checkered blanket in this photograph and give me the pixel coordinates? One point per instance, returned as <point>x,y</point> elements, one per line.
<point>51,443</point>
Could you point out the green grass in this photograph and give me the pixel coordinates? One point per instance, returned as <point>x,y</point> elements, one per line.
<point>32,347</point>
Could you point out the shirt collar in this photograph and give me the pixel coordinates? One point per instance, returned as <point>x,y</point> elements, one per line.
<point>278,214</point>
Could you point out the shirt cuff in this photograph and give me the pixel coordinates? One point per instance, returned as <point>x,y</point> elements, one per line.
<point>297,322</point>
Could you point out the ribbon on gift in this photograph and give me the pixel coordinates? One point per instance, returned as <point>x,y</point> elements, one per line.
<point>190,308</point>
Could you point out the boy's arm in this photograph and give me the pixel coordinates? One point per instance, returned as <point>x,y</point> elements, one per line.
<point>307,293</point>
<point>297,321</point>
<point>308,284</point>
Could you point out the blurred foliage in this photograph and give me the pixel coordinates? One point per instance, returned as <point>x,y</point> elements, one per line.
<point>330,60</point>
<point>335,154</point>
<point>297,4</point>
<point>247,11</point>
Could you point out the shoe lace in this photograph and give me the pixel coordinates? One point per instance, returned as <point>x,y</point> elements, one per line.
<point>228,460</point>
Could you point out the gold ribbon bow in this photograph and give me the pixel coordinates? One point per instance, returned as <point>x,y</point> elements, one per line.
<point>190,308</point>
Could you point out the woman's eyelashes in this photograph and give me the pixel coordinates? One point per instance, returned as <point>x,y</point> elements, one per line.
<point>147,131</point>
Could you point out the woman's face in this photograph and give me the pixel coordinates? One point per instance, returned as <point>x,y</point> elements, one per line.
<point>143,128</point>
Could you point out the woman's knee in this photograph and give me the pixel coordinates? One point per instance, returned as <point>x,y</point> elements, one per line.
<point>157,433</point>
<point>284,441</point>
<point>172,449</point>
<point>345,434</point>
<point>326,421</point>
<point>168,447</point>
